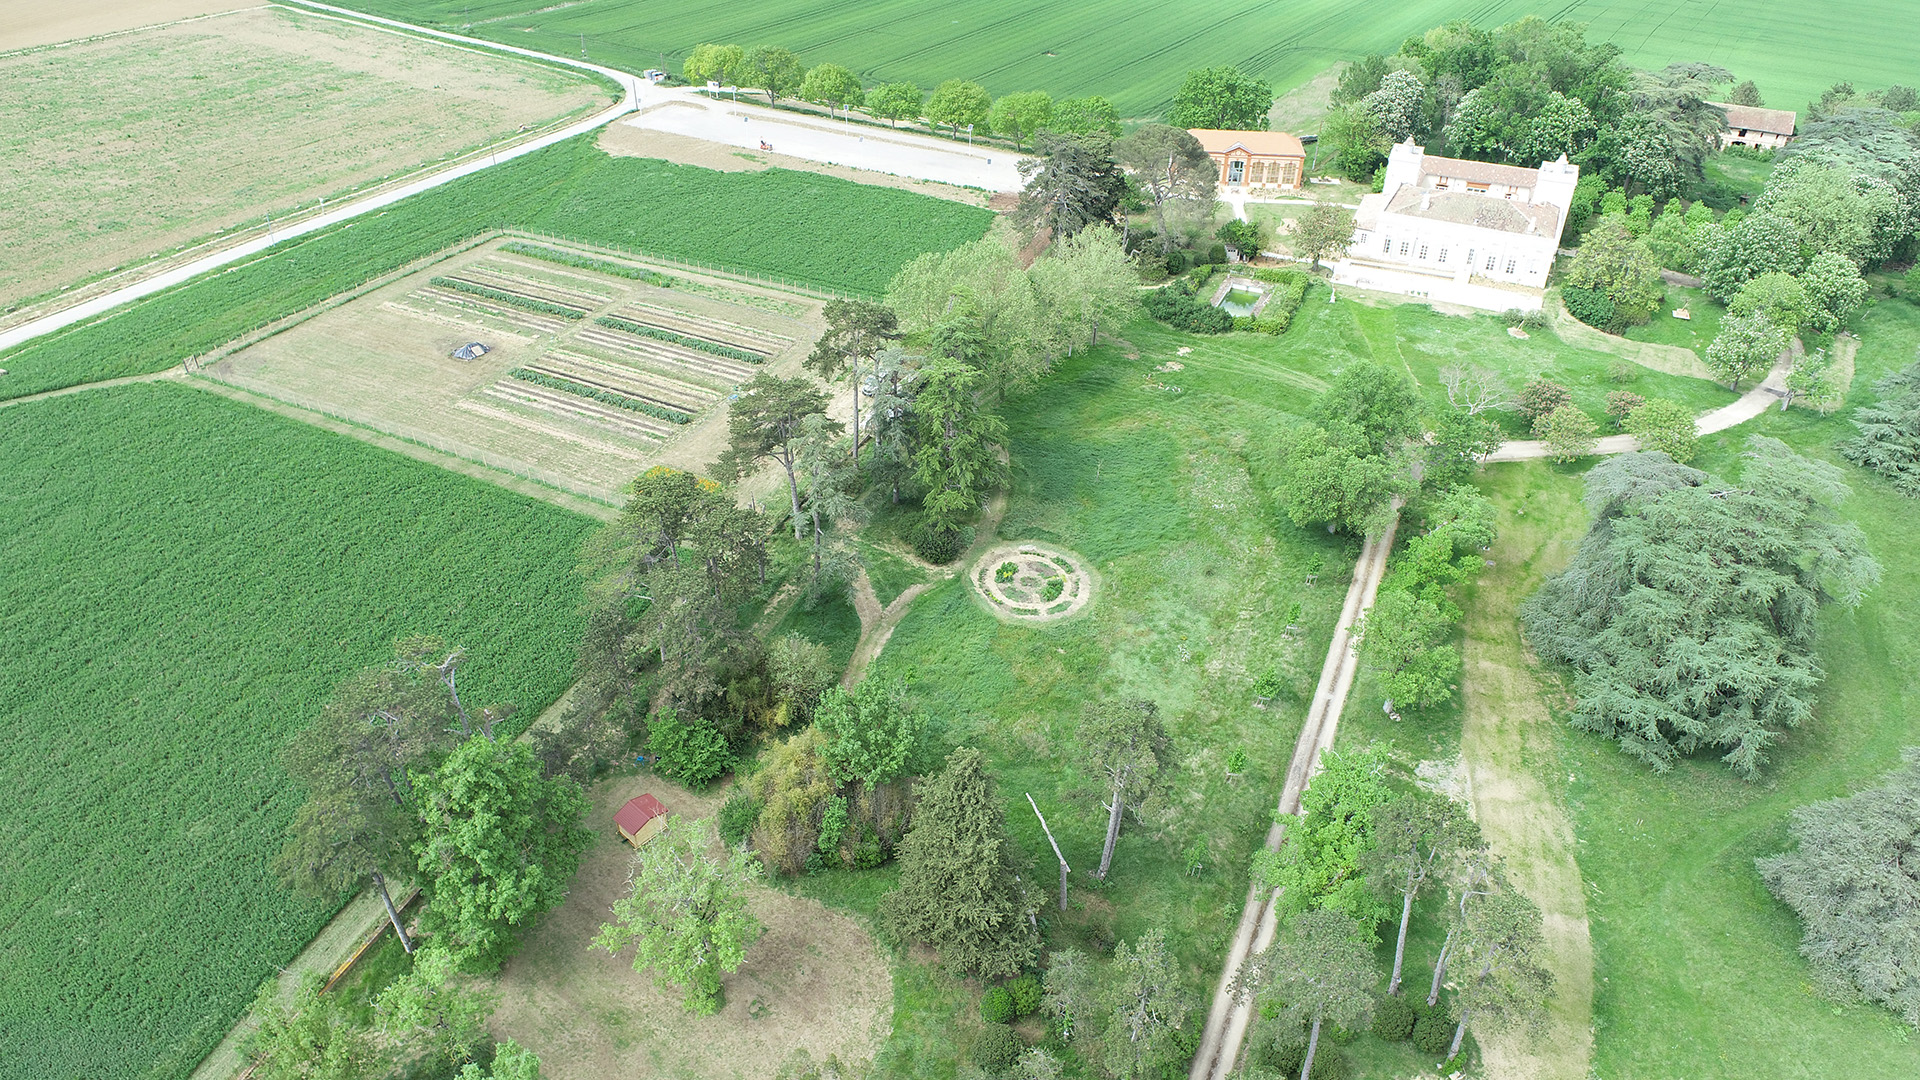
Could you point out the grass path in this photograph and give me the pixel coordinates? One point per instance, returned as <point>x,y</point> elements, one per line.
<point>1506,744</point>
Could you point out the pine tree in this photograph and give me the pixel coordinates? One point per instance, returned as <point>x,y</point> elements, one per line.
<point>958,890</point>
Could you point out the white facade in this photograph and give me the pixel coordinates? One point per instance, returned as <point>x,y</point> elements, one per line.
<point>1463,232</point>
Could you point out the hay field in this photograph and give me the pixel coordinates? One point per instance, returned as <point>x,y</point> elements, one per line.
<point>1135,51</point>
<point>126,146</point>
<point>592,378</point>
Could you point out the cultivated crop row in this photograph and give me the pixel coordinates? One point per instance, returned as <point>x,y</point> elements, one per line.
<point>525,300</point>
<point>569,404</point>
<point>676,359</point>
<point>587,262</point>
<point>704,344</point>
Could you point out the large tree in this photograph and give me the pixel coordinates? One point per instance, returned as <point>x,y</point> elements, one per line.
<point>313,1037</point>
<point>976,303</point>
<point>1501,979</point>
<point>1403,641</point>
<point>1752,246</point>
<point>958,104</point>
<point>1689,613</point>
<point>723,64</point>
<point>1614,262</point>
<point>856,332</point>
<point>775,71</point>
<point>959,890</point>
<point>823,460</point>
<point>1091,115</point>
<point>1127,747</point>
<point>1318,864</point>
<point>1085,281</point>
<point>1323,232</point>
<point>1415,838</point>
<point>500,844</point>
<point>1221,97</point>
<point>894,102</point>
<point>1853,877</point>
<point>833,86</point>
<point>1170,167</point>
<point>956,459</point>
<point>1147,1006</point>
<point>873,734</point>
<point>1071,183</point>
<point>1318,971</point>
<point>685,913</point>
<point>1745,347</point>
<point>1018,115</point>
<point>763,422</point>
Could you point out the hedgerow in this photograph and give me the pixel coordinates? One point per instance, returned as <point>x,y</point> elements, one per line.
<point>527,303</point>
<point>608,397</point>
<point>817,230</point>
<point>187,579</point>
<point>586,262</point>
<point>627,327</point>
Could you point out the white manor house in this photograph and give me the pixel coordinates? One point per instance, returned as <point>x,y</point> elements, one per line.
<point>1461,232</point>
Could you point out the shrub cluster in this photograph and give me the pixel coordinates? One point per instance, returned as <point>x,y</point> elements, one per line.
<point>1591,306</point>
<point>1176,306</point>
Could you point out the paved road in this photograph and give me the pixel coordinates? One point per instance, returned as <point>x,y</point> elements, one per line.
<point>816,138</point>
<point>638,93</point>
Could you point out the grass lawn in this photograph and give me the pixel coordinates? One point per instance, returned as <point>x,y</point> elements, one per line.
<point>1695,333</point>
<point>187,580</point>
<point>1136,51</point>
<point>1741,175</point>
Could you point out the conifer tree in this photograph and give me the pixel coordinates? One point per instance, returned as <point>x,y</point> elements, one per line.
<point>958,891</point>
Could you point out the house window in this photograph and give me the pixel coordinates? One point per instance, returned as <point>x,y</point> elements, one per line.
<point>1479,189</point>
<point>1423,251</point>
<point>1235,170</point>
<point>1386,245</point>
<point>1509,194</point>
<point>1289,173</point>
<point>1489,262</point>
<point>1403,247</point>
<point>1510,265</point>
<point>1443,254</point>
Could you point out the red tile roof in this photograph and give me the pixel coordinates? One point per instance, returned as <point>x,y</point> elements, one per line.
<point>638,811</point>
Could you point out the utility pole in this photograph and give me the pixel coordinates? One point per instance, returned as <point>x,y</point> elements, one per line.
<point>1056,849</point>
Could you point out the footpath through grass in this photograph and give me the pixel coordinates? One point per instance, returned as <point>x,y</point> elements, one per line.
<point>1136,51</point>
<point>816,230</point>
<point>187,578</point>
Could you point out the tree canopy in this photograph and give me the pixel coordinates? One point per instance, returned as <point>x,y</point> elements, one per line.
<point>1689,612</point>
<point>1888,441</point>
<point>958,889</point>
<point>685,913</point>
<point>1221,97</point>
<point>1853,876</point>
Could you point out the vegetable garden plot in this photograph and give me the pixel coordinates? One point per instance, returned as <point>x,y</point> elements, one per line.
<point>716,371</point>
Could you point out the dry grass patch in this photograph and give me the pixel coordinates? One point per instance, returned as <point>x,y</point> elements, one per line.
<point>814,982</point>
<point>625,140</point>
<point>126,146</point>
<point>594,406</point>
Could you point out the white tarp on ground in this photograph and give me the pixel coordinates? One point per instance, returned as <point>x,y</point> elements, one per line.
<point>900,153</point>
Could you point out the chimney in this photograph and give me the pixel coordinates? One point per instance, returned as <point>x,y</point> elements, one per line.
<point>1426,198</point>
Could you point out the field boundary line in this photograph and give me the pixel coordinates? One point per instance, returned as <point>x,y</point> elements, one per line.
<point>1229,1017</point>
<point>167,279</point>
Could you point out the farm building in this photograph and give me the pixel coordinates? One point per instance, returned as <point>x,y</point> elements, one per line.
<point>1254,162</point>
<point>1762,129</point>
<point>640,819</point>
<point>1465,232</point>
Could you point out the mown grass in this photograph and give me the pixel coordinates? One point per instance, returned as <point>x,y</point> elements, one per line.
<point>1694,333</point>
<point>187,579</point>
<point>890,574</point>
<point>1136,51</point>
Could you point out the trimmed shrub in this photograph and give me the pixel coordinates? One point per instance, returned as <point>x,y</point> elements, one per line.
<point>936,543</point>
<point>1393,1019</point>
<point>1283,300</point>
<point>1177,261</point>
<point>1591,306</point>
<point>1217,254</point>
<point>1026,995</point>
<point>998,1048</point>
<point>1433,1033</point>
<point>1534,320</point>
<point>737,817</point>
<point>996,1005</point>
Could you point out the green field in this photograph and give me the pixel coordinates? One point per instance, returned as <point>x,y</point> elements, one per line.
<point>186,580</point>
<point>817,230</point>
<point>1136,51</point>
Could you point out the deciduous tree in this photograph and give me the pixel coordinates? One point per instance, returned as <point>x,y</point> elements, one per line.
<point>956,458</point>
<point>1834,291</point>
<point>1568,432</point>
<point>1403,640</point>
<point>1221,97</point>
<point>1093,115</point>
<point>1085,281</point>
<point>873,734</point>
<point>1019,115</point>
<point>775,71</point>
<point>1664,426</point>
<point>1318,865</point>
<point>1323,232</point>
<point>724,64</point>
<point>500,844</point>
<point>685,914</point>
<point>1506,983</point>
<point>894,102</point>
<point>1745,347</point>
<point>833,86</point>
<point>1415,838</point>
<point>958,104</point>
<point>1147,1005</point>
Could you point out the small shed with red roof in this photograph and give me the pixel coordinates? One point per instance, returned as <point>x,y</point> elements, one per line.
<point>641,819</point>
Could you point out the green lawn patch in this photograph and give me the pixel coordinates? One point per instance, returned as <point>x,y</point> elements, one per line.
<point>1694,333</point>
<point>187,579</point>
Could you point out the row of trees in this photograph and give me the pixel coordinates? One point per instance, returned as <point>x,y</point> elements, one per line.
<point>1366,842</point>
<point>956,104</point>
